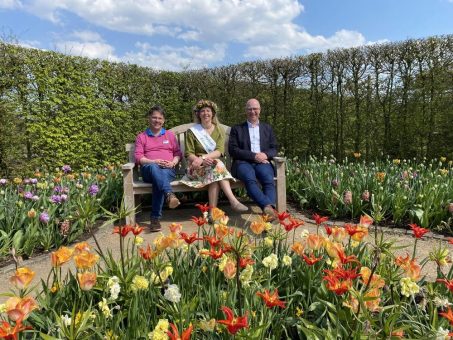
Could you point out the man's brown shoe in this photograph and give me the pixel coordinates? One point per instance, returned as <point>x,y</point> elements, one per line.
<point>172,200</point>
<point>155,225</point>
<point>270,212</point>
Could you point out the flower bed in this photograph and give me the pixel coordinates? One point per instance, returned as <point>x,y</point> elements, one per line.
<point>260,282</point>
<point>397,190</point>
<point>48,210</point>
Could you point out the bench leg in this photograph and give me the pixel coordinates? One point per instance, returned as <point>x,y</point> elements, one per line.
<point>281,187</point>
<point>129,199</point>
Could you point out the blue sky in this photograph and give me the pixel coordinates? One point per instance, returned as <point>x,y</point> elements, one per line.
<point>190,34</point>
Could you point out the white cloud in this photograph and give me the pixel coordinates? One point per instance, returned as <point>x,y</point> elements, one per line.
<point>174,58</point>
<point>87,36</point>
<point>87,49</point>
<point>266,26</point>
<point>10,4</point>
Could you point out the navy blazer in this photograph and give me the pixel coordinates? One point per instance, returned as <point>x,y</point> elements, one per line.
<point>239,146</point>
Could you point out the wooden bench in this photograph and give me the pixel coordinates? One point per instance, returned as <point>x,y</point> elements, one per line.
<point>134,186</point>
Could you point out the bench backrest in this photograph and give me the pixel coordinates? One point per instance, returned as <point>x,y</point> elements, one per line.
<point>180,133</point>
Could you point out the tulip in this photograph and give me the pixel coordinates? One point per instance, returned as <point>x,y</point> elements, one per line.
<point>19,308</point>
<point>22,278</point>
<point>234,324</point>
<point>61,256</point>
<point>86,280</point>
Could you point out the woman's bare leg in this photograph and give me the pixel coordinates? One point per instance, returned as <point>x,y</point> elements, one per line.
<point>213,194</point>
<point>226,188</point>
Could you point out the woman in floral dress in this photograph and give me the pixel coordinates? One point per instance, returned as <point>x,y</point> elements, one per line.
<point>204,145</point>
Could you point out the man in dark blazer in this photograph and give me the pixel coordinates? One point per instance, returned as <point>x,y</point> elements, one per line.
<point>252,145</point>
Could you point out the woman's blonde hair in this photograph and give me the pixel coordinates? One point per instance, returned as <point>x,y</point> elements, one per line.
<point>202,104</point>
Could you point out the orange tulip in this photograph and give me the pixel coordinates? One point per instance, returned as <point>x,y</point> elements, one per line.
<point>61,256</point>
<point>85,260</point>
<point>221,230</point>
<point>147,254</point>
<point>22,278</point>
<point>448,315</point>
<point>258,226</point>
<point>411,267</point>
<point>230,269</point>
<point>376,280</point>
<point>19,308</point>
<point>81,246</point>
<point>315,242</point>
<point>174,334</point>
<point>338,233</point>
<point>311,260</point>
<point>298,248</point>
<point>271,300</point>
<point>365,221</point>
<point>217,214</point>
<point>86,280</point>
<point>175,227</point>
<point>9,332</point>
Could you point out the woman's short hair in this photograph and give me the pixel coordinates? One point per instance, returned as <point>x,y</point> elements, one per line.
<point>157,108</point>
<point>202,103</point>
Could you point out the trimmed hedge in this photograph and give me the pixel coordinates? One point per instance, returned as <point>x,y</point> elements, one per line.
<point>391,99</point>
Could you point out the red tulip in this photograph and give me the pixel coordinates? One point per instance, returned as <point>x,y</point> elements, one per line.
<point>234,324</point>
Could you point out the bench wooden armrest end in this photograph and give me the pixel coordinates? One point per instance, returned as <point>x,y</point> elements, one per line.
<point>128,166</point>
<point>279,159</point>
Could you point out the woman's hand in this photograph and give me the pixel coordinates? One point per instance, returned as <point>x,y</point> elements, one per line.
<point>209,161</point>
<point>197,163</point>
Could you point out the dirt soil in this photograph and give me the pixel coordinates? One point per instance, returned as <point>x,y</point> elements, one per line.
<point>41,264</point>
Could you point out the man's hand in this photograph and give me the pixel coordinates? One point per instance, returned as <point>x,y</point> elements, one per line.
<point>167,164</point>
<point>261,157</point>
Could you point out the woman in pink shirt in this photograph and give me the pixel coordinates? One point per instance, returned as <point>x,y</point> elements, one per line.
<point>157,152</point>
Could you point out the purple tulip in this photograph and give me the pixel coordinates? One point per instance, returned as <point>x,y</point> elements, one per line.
<point>33,181</point>
<point>64,197</point>
<point>57,189</point>
<point>55,199</point>
<point>66,168</point>
<point>35,198</point>
<point>27,181</point>
<point>3,181</point>
<point>28,195</point>
<point>93,189</point>
<point>44,217</point>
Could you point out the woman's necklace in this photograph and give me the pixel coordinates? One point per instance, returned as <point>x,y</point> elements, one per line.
<point>208,129</point>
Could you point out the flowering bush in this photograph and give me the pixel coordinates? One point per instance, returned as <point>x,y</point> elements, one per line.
<point>398,190</point>
<point>261,282</point>
<point>48,210</point>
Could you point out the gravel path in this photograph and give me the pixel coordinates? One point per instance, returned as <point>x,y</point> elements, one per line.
<point>42,266</point>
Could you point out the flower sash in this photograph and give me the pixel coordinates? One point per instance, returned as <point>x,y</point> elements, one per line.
<point>204,138</point>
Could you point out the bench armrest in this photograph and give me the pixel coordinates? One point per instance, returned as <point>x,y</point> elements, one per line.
<point>279,159</point>
<point>128,166</point>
